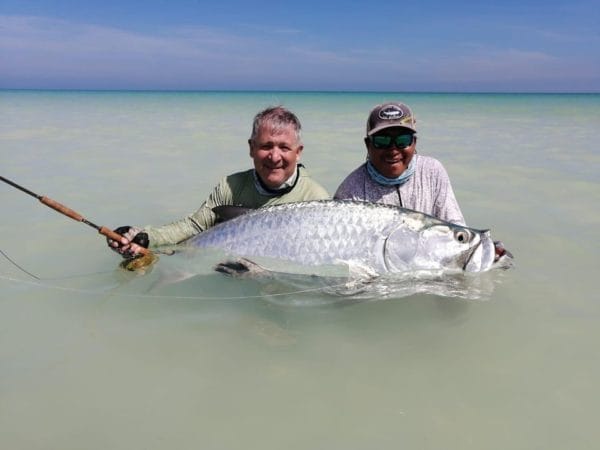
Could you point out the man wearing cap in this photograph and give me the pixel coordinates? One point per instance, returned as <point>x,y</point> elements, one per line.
<point>395,174</point>
<point>277,177</point>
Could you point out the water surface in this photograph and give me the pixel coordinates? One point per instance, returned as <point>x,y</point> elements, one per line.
<point>92,357</point>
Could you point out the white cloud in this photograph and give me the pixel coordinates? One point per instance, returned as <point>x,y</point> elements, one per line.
<point>42,52</point>
<point>50,35</point>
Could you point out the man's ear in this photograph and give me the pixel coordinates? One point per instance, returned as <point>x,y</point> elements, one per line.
<point>250,147</point>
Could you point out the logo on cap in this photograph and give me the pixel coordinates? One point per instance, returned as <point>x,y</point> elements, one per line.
<point>391,112</point>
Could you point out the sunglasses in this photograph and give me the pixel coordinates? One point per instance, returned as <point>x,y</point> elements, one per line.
<point>383,142</point>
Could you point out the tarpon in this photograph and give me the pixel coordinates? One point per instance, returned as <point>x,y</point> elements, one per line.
<point>380,238</point>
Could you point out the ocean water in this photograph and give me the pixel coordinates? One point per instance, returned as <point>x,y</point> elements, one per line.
<point>93,357</point>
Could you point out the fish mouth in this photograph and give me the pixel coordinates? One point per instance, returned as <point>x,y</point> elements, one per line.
<point>503,259</point>
<point>501,252</point>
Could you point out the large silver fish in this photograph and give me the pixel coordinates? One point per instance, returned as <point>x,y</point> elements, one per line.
<point>380,238</point>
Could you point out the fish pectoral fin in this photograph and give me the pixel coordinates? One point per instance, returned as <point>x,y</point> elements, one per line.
<point>353,286</point>
<point>241,268</point>
<point>359,270</point>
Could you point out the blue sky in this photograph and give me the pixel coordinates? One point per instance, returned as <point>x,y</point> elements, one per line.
<point>469,46</point>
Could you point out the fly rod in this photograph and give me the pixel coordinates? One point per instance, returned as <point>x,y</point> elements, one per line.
<point>72,214</point>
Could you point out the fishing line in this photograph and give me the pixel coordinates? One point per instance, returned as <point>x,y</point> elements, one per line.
<point>18,266</point>
<point>40,283</point>
<point>66,277</point>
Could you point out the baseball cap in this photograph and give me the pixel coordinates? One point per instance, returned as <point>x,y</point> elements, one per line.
<point>392,114</point>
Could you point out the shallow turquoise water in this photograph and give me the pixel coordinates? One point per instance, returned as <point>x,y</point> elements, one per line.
<point>95,358</point>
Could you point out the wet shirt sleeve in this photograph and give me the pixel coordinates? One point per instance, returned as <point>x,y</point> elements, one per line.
<point>202,219</point>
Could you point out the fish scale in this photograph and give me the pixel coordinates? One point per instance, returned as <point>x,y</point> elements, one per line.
<point>329,231</point>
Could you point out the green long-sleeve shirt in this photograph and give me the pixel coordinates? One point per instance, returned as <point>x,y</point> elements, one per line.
<point>238,189</point>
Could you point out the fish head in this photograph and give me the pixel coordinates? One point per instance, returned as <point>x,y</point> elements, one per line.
<point>440,246</point>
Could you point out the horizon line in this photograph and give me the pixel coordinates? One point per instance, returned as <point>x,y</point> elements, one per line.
<point>307,91</point>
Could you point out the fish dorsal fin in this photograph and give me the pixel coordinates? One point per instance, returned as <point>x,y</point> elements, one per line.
<point>228,212</point>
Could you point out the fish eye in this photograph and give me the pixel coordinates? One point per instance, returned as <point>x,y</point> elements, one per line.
<point>461,236</point>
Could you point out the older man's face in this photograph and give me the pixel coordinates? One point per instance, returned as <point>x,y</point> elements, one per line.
<point>275,154</point>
